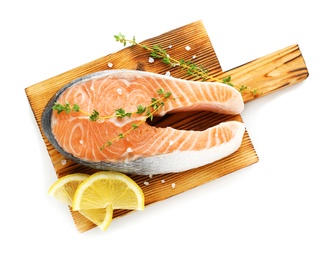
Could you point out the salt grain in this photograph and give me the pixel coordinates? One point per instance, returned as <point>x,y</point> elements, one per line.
<point>173,185</point>
<point>194,57</point>
<point>162,181</point>
<point>170,46</point>
<point>110,64</point>
<point>146,183</point>
<point>167,73</point>
<point>129,150</point>
<point>63,162</point>
<point>81,141</point>
<point>150,176</point>
<point>171,143</point>
<point>187,48</point>
<point>151,60</point>
<point>119,90</point>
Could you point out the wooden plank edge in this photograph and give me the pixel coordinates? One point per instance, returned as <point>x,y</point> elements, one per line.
<point>277,70</point>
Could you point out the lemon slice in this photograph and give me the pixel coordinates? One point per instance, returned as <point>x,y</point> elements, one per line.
<point>64,189</point>
<point>106,188</point>
<point>102,217</point>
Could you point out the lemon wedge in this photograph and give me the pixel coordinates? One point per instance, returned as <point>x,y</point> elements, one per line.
<point>64,188</point>
<point>102,217</point>
<point>108,189</point>
<point>95,196</point>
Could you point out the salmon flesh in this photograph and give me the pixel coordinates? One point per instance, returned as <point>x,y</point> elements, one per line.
<point>100,121</point>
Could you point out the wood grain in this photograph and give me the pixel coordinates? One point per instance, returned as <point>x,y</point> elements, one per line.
<point>269,73</point>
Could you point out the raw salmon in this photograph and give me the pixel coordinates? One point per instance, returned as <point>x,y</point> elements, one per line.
<point>120,139</point>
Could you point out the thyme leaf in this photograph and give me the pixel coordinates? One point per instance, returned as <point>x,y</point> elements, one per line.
<point>140,109</point>
<point>65,108</point>
<point>120,113</point>
<point>94,115</point>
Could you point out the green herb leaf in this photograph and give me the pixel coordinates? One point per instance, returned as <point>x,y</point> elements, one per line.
<point>75,108</point>
<point>242,88</point>
<point>140,109</point>
<point>65,108</point>
<point>227,81</point>
<point>254,92</point>
<point>120,113</point>
<point>58,107</point>
<point>160,91</point>
<point>167,94</point>
<point>120,38</point>
<point>154,104</point>
<point>94,116</point>
<point>133,42</point>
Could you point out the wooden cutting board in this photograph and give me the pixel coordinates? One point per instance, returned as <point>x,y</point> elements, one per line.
<point>277,70</point>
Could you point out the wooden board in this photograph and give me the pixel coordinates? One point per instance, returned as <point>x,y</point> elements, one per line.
<point>269,73</point>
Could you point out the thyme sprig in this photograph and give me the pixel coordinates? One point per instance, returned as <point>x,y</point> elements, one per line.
<point>149,114</point>
<point>67,108</point>
<point>120,113</point>
<point>157,52</point>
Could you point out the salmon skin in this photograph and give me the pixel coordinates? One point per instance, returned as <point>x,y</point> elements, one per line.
<point>120,139</point>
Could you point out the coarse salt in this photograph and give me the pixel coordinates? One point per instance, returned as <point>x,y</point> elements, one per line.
<point>119,90</point>
<point>173,185</point>
<point>63,162</point>
<point>150,176</point>
<point>129,150</point>
<point>81,141</point>
<point>146,183</point>
<point>170,46</point>
<point>167,73</point>
<point>162,181</point>
<point>187,48</point>
<point>151,60</point>
<point>171,143</point>
<point>194,56</point>
<point>110,64</point>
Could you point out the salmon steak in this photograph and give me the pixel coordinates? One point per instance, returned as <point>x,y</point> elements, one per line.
<point>101,121</point>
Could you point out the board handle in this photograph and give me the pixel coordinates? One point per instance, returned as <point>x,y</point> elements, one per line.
<point>269,73</point>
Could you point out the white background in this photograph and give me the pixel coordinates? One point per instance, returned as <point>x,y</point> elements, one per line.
<point>283,207</point>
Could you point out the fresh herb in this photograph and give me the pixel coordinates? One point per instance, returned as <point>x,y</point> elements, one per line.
<point>158,52</point>
<point>242,88</point>
<point>149,110</point>
<point>94,115</point>
<point>120,113</point>
<point>140,109</point>
<point>227,81</point>
<point>65,108</point>
<point>121,38</point>
<point>162,92</point>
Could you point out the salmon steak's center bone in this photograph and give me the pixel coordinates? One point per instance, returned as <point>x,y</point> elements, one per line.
<point>104,122</point>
